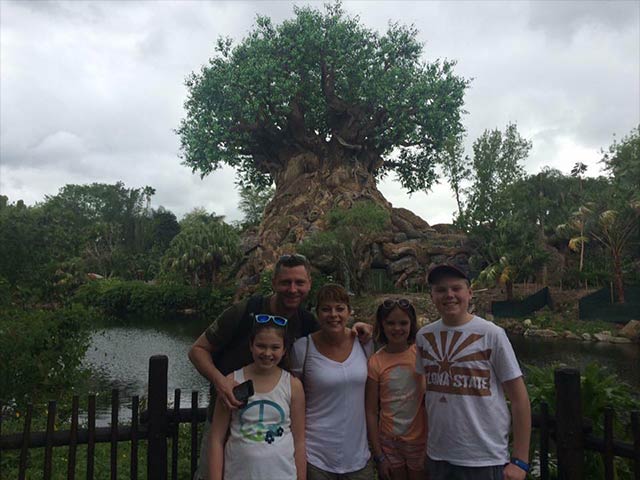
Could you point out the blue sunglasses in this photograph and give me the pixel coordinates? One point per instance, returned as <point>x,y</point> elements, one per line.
<point>265,318</point>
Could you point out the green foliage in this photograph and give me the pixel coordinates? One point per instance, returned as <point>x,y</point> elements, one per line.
<point>496,165</point>
<point>324,83</point>
<point>204,245</point>
<point>10,461</point>
<point>338,249</point>
<point>253,201</point>
<point>622,161</point>
<point>365,217</point>
<point>41,351</point>
<point>598,389</point>
<point>5,292</point>
<point>135,299</point>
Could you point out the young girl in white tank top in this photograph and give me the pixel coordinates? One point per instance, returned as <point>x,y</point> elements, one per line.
<point>266,436</point>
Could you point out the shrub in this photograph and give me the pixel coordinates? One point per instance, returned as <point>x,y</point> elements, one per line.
<point>41,351</point>
<point>121,299</point>
<point>599,389</point>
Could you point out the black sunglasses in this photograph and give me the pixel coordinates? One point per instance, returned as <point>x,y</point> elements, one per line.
<point>390,303</point>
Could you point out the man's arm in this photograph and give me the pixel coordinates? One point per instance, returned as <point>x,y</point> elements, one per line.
<point>516,391</point>
<point>200,355</point>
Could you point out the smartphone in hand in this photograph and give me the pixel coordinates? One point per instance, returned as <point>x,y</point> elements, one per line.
<point>243,391</point>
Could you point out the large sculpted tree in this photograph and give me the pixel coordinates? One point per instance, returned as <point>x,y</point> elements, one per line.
<point>322,107</point>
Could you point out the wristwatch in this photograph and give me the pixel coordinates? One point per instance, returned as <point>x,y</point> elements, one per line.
<point>520,464</point>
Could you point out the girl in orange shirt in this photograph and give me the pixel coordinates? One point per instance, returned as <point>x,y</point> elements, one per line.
<point>394,399</point>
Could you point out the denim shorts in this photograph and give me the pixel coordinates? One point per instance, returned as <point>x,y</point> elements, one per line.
<point>441,470</point>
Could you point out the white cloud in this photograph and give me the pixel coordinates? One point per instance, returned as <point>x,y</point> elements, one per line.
<point>92,91</point>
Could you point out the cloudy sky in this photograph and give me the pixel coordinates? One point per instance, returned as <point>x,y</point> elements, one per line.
<point>92,91</point>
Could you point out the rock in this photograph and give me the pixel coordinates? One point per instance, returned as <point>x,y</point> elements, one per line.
<point>619,340</point>
<point>631,330</point>
<point>570,335</point>
<point>527,323</point>
<point>396,251</point>
<point>399,238</point>
<point>602,336</point>
<point>587,337</point>
<point>404,264</point>
<point>489,317</point>
<point>543,333</point>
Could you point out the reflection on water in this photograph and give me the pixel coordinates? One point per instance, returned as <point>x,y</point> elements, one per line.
<point>118,357</point>
<point>621,359</point>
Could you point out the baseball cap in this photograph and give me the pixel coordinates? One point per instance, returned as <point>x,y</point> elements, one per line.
<point>445,268</point>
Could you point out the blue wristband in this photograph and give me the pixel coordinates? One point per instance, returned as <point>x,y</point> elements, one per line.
<point>520,464</point>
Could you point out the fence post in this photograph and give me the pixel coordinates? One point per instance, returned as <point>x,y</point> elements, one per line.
<point>570,440</point>
<point>158,422</point>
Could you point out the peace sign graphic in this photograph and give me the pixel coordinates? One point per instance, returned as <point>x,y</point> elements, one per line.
<point>262,421</point>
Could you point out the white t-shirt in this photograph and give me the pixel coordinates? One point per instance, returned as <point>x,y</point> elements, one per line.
<point>260,443</point>
<point>465,367</point>
<point>336,429</point>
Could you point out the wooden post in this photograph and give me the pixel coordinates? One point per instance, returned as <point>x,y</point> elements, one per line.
<point>570,440</point>
<point>158,422</point>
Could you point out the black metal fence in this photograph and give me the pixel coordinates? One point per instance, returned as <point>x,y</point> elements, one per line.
<point>159,424</point>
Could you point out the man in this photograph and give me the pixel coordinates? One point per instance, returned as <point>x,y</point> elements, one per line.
<point>224,346</point>
<point>469,366</point>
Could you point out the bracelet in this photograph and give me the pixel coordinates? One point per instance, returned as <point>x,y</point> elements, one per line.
<point>379,458</point>
<point>520,464</point>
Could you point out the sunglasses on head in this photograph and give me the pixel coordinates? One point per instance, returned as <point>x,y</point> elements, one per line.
<point>391,303</point>
<point>265,318</point>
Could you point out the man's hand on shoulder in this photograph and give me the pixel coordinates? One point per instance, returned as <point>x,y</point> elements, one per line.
<point>363,331</point>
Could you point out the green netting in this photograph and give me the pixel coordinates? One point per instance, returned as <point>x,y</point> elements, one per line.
<point>522,308</point>
<point>601,305</point>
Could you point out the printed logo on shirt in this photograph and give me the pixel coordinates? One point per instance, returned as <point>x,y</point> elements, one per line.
<point>261,430</point>
<point>444,364</point>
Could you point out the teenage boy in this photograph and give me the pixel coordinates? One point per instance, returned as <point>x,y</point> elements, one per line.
<point>469,366</point>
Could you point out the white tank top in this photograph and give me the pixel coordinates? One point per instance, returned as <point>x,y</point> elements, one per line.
<point>260,443</point>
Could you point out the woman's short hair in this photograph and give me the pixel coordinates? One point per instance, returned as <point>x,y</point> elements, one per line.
<point>332,292</point>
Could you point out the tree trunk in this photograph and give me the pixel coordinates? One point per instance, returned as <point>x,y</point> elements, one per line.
<point>307,190</point>
<point>617,278</point>
<point>509,287</point>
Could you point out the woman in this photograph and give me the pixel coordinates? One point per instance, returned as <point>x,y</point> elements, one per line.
<point>332,365</point>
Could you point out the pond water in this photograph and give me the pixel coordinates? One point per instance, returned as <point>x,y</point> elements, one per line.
<point>118,357</point>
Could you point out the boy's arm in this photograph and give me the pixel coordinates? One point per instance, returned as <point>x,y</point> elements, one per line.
<point>297,428</point>
<point>371,412</point>
<point>516,391</point>
<point>217,436</point>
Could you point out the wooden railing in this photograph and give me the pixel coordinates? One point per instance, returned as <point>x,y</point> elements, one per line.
<point>571,434</point>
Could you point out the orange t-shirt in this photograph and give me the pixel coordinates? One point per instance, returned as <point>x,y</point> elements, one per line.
<point>401,395</point>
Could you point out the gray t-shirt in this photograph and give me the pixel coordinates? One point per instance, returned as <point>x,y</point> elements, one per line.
<point>465,367</point>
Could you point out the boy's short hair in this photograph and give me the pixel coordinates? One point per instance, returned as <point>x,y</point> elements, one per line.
<point>442,270</point>
<point>291,261</point>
